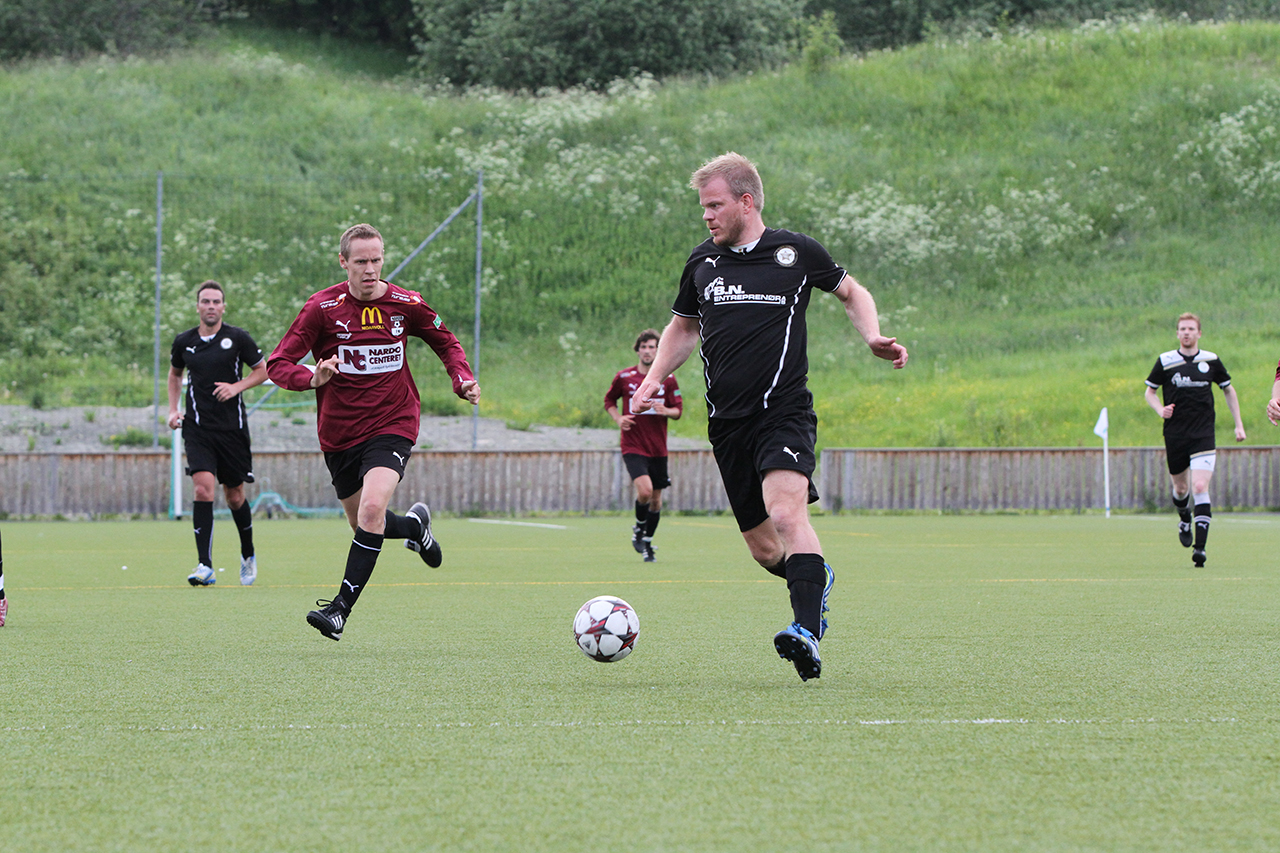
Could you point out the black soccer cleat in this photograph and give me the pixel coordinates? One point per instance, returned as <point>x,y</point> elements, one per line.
<point>637,538</point>
<point>647,549</point>
<point>1184,534</point>
<point>330,619</point>
<point>426,546</point>
<point>1197,557</point>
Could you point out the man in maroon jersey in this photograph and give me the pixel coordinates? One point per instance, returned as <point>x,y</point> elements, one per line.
<point>368,405</point>
<point>644,439</point>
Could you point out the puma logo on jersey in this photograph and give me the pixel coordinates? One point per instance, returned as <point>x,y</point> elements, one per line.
<point>346,326</point>
<point>794,455</point>
<point>191,349</point>
<point>712,261</point>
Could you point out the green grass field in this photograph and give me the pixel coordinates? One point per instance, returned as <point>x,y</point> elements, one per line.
<point>990,683</point>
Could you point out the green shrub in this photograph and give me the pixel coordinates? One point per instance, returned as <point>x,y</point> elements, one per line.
<point>532,44</point>
<point>134,437</point>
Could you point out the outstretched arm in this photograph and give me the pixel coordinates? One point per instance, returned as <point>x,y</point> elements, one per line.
<point>860,307</point>
<point>676,345</point>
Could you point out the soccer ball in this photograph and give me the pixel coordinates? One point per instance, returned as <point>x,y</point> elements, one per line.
<point>606,628</point>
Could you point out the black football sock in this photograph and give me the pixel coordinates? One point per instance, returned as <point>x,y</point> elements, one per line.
<point>1203,515</point>
<point>361,559</point>
<point>806,577</point>
<point>1181,504</point>
<point>642,514</point>
<point>402,526</point>
<point>779,568</point>
<point>651,524</point>
<point>243,517</point>
<point>202,523</point>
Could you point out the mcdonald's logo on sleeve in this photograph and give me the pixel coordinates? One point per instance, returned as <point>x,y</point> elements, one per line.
<point>370,318</point>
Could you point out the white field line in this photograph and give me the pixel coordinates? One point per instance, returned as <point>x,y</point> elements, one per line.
<point>517,523</point>
<point>590,724</point>
<point>231,590</point>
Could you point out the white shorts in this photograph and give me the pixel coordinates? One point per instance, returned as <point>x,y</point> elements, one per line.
<point>1204,461</point>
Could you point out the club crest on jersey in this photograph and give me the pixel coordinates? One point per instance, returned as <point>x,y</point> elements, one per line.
<point>785,256</point>
<point>226,343</point>
<point>397,324</point>
<point>1203,367</point>
<point>368,360</point>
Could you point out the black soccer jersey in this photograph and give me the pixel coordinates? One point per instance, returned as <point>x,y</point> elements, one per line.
<point>219,359</point>
<point>750,308</point>
<point>1187,382</point>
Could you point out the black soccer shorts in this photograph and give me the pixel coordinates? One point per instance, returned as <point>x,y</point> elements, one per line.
<point>348,467</point>
<point>655,467</point>
<point>745,448</point>
<point>223,453</point>
<point>1179,451</point>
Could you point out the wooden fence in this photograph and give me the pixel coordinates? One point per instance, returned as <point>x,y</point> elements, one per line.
<point>1034,478</point>
<point>94,484</point>
<point>137,483</point>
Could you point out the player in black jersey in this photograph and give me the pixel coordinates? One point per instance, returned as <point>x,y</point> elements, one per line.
<point>1187,375</point>
<point>744,293</point>
<point>215,426</point>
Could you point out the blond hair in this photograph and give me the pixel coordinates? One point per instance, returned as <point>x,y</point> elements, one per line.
<point>1189,316</point>
<point>363,231</point>
<point>738,172</point>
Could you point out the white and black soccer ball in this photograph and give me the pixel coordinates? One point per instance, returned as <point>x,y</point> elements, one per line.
<point>606,628</point>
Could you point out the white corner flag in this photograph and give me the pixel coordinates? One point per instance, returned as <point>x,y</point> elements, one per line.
<point>1101,429</point>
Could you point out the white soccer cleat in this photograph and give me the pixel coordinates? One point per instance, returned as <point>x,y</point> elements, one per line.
<point>248,570</point>
<point>202,575</point>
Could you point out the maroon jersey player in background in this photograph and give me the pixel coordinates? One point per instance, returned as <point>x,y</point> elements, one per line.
<point>644,439</point>
<point>368,405</point>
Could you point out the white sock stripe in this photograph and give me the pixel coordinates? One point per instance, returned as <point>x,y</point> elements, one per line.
<point>366,547</point>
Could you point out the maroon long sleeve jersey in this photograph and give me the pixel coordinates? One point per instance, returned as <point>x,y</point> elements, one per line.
<point>373,392</point>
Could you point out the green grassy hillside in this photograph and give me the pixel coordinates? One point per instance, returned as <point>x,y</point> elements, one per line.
<point>1031,212</point>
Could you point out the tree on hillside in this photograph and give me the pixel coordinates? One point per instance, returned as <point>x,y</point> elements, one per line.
<point>30,28</point>
<point>531,44</point>
<point>389,22</point>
